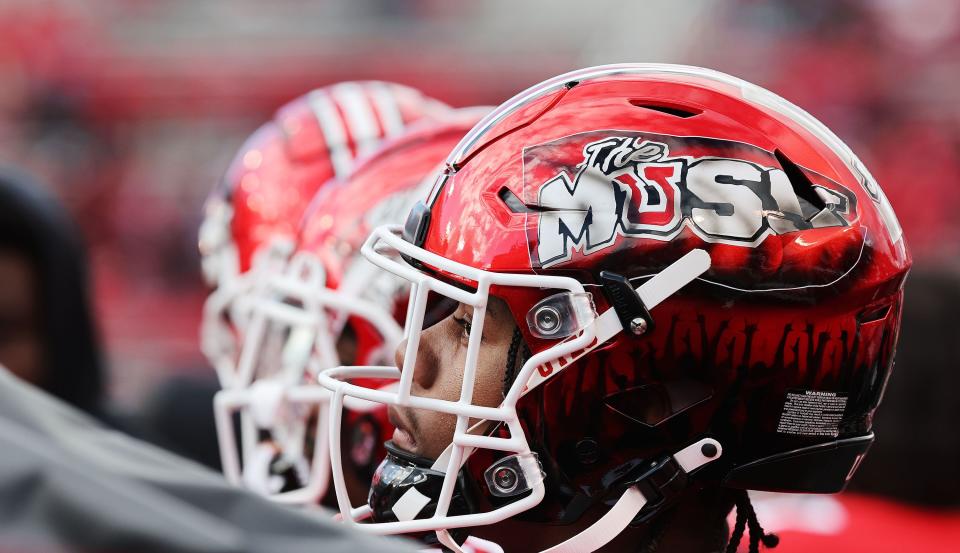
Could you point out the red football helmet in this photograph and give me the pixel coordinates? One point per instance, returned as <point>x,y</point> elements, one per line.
<point>709,283</point>
<point>264,192</point>
<point>322,309</point>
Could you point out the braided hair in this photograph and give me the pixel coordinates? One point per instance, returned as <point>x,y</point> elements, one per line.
<point>517,355</point>
<point>747,517</point>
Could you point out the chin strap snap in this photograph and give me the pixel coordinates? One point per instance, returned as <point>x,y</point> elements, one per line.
<point>656,488</point>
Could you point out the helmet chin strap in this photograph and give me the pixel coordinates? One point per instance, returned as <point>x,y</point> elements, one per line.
<point>470,545</point>
<point>641,495</point>
<point>655,489</point>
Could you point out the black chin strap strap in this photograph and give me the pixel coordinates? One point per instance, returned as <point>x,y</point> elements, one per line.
<point>747,517</point>
<point>647,494</point>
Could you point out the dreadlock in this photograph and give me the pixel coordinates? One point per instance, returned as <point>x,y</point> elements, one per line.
<point>747,517</point>
<point>517,355</point>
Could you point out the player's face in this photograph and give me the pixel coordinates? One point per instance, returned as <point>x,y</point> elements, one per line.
<point>21,342</point>
<point>439,372</point>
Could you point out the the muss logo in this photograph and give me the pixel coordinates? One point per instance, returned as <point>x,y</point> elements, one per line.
<point>628,184</point>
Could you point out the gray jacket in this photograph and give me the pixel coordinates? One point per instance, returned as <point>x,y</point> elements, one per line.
<point>69,484</point>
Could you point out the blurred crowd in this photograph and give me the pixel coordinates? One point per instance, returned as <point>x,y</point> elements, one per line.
<point>129,112</point>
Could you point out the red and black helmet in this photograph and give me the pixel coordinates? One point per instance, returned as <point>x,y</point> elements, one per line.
<point>708,279</point>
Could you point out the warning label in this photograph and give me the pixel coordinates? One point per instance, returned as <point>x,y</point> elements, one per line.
<point>812,413</point>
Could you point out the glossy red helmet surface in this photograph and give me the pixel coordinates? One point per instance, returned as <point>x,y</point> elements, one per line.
<point>609,175</point>
<point>381,190</point>
<point>262,197</point>
<point>312,139</point>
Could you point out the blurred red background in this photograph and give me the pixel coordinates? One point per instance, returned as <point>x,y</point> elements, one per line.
<point>131,109</point>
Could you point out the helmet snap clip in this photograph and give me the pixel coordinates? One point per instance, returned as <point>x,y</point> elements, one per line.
<point>630,309</point>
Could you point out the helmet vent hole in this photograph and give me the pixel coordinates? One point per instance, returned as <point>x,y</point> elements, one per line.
<point>675,110</point>
<point>802,186</point>
<point>513,203</point>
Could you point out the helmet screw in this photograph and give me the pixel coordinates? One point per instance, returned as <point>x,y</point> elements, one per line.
<point>547,320</point>
<point>505,479</point>
<point>708,450</point>
<point>638,326</point>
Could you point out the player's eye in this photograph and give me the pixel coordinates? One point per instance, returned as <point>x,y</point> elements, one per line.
<point>464,326</point>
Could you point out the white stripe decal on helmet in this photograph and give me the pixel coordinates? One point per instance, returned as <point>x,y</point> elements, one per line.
<point>334,132</point>
<point>386,104</point>
<point>360,119</point>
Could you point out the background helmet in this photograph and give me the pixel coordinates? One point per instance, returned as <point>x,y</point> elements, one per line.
<point>327,306</point>
<point>270,182</point>
<point>709,283</point>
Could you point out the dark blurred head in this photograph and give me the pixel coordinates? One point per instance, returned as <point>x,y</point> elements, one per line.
<point>47,336</point>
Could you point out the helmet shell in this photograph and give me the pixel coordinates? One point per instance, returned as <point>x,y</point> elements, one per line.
<point>780,351</point>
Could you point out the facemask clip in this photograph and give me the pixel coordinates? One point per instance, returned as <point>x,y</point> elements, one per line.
<point>561,315</point>
<point>630,309</point>
<point>514,475</point>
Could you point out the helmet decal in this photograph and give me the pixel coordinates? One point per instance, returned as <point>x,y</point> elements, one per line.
<point>643,185</point>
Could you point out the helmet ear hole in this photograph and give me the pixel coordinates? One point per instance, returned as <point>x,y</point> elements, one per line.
<point>513,203</point>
